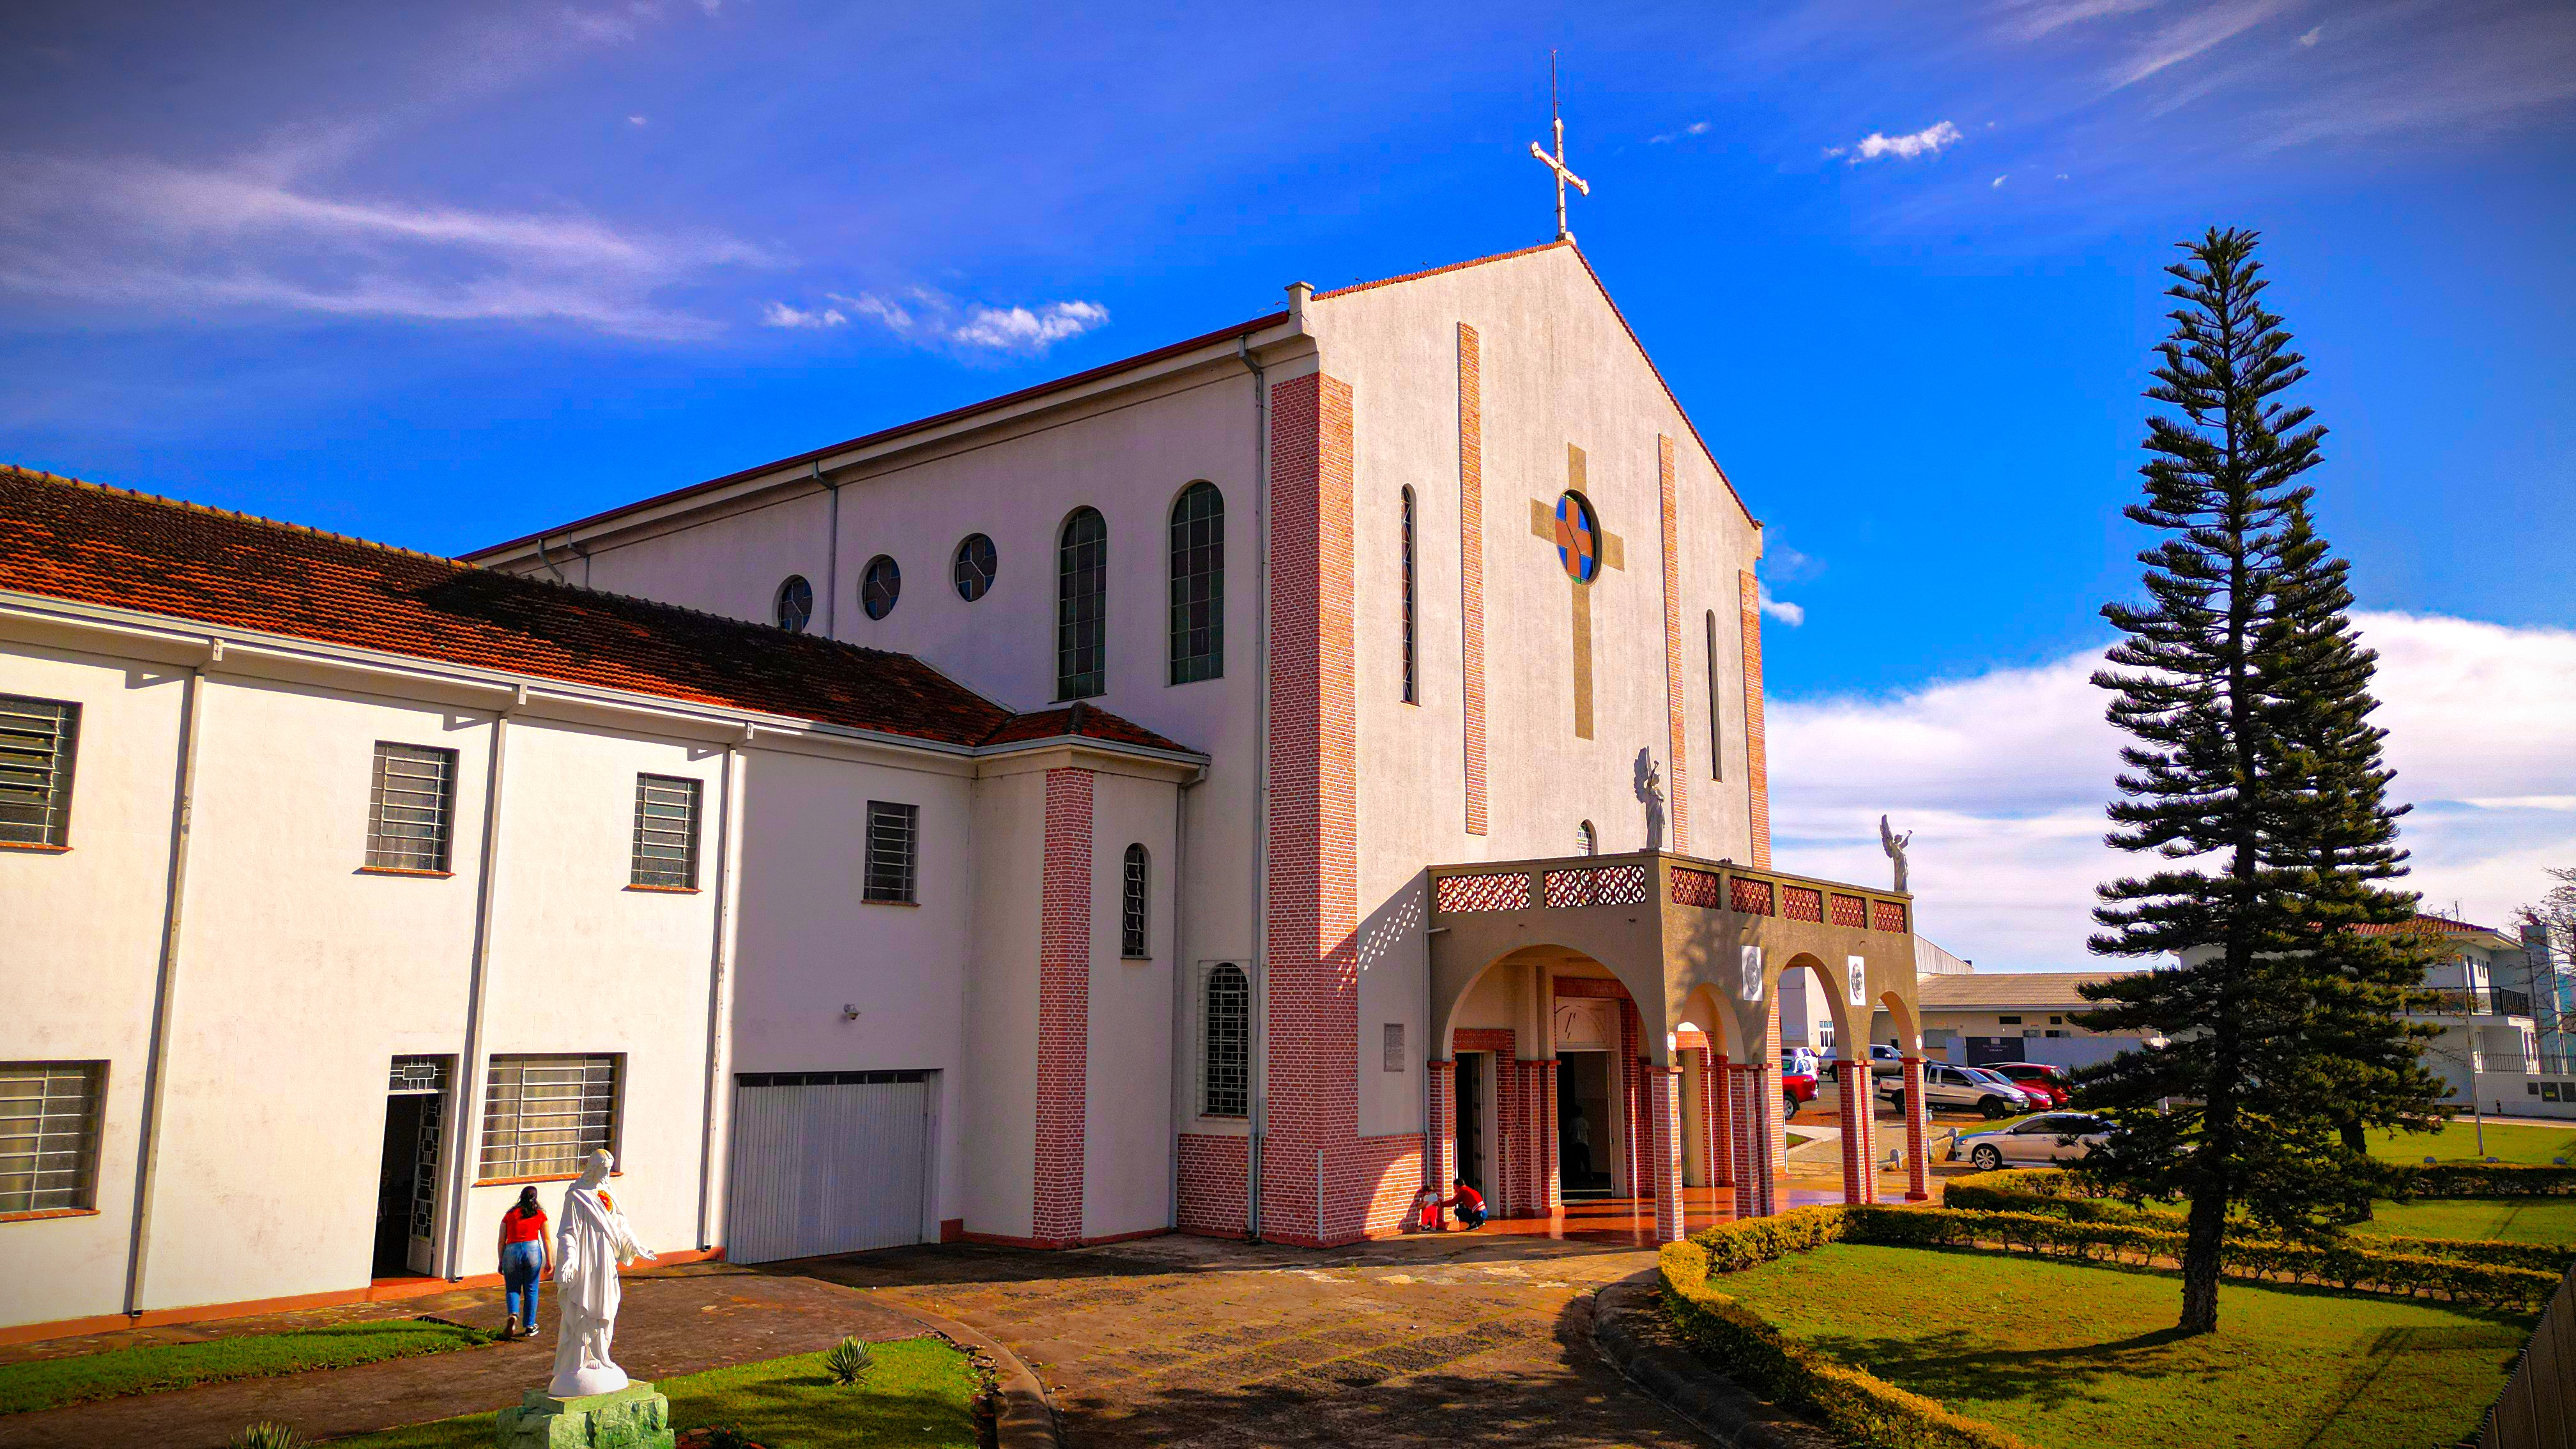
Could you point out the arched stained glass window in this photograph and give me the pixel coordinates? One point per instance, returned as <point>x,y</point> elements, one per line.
<point>879,586</point>
<point>1198,584</point>
<point>794,606</point>
<point>1131,907</point>
<point>1082,606</point>
<point>1225,1031</point>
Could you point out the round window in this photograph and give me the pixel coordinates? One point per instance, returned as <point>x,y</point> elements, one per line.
<point>1578,538</point>
<point>975,564</point>
<point>880,586</point>
<point>795,604</point>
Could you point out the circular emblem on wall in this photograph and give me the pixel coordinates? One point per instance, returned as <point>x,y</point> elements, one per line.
<point>1578,538</point>
<point>880,586</point>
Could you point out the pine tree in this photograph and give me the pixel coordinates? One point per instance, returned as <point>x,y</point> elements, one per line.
<point>2255,773</point>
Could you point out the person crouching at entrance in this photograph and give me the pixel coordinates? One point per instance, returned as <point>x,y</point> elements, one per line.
<point>1468,1203</point>
<point>527,1257</point>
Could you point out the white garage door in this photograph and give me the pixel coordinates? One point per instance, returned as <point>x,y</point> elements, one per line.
<point>828,1162</point>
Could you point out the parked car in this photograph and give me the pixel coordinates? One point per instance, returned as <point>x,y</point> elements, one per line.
<point>1795,1087</point>
<point>2048,1137</point>
<point>2032,1099</point>
<point>1959,1089</point>
<point>2027,1075</point>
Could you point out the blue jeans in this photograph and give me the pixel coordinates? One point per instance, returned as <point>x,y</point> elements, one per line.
<point>522,1268</point>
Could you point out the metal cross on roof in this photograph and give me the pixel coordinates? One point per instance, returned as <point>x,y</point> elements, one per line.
<point>1556,163</point>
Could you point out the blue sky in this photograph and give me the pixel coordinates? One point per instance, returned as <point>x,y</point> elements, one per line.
<point>442,277</point>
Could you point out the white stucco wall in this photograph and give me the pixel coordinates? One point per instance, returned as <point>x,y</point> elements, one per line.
<point>1002,1006</point>
<point>1127,1118</point>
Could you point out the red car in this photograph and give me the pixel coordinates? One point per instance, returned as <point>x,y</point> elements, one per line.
<point>1795,1087</point>
<point>2036,1076</point>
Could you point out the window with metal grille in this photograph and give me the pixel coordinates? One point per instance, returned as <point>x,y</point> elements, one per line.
<point>38,738</point>
<point>49,1135</point>
<point>1082,606</point>
<point>893,833</point>
<point>412,808</point>
<point>1131,913</point>
<point>1716,720</point>
<point>1198,584</point>
<point>1412,694</point>
<point>666,833</point>
<point>543,1115</point>
<point>1225,1073</point>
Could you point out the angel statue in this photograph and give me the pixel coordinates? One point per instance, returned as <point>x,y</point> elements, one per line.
<point>1894,844</point>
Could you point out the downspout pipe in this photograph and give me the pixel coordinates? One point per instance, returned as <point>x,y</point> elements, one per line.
<point>832,558</point>
<point>1260,786</point>
<point>719,969</point>
<point>156,1065</point>
<point>465,1133</point>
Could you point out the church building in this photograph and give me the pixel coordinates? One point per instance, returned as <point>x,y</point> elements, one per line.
<point>1222,791</point>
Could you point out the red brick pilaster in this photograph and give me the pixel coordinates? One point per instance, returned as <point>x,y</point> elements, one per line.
<point>1440,1135</point>
<point>1552,1174</point>
<point>1664,1145</point>
<point>1677,770</point>
<point>1757,769</point>
<point>1634,1180</point>
<point>1918,1168</point>
<point>1715,1168</point>
<point>1064,1008</point>
<point>1860,1166</point>
<point>1471,568</point>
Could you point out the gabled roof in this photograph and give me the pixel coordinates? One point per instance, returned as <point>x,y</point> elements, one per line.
<point>66,539</point>
<point>2440,926</point>
<point>2009,990</point>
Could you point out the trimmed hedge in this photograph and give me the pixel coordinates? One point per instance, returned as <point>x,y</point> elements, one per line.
<point>1863,1407</point>
<point>2477,1179</point>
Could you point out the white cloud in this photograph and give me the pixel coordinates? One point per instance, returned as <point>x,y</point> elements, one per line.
<point>936,319</point>
<point>2004,777</point>
<point>2185,39</point>
<point>2313,36</point>
<point>2031,19</point>
<point>1926,142</point>
<point>779,314</point>
<point>1695,128</point>
<point>637,121</point>
<point>1787,613</point>
<point>1998,181</point>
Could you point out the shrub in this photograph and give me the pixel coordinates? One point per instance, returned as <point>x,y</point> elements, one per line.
<point>846,1360</point>
<point>265,1434</point>
<point>1751,1242</point>
<point>2477,1179</point>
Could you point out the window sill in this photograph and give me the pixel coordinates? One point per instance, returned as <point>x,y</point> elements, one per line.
<point>547,1177</point>
<point>907,905</point>
<point>1143,960</point>
<point>654,890</point>
<point>42,1213</point>
<point>414,874</point>
<point>32,848</point>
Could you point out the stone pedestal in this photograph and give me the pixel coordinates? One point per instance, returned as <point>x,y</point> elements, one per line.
<point>634,1417</point>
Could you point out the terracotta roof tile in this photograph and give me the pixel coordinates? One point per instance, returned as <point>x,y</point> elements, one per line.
<point>67,539</point>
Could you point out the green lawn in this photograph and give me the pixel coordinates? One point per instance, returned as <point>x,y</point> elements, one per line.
<point>2074,1357</point>
<point>916,1393</point>
<point>51,1383</point>
<point>2525,1143</point>
<point>2546,1220</point>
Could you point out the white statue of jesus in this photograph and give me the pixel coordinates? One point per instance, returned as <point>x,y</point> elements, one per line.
<point>591,1240</point>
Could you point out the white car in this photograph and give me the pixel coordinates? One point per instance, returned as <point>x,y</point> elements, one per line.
<point>1962,1089</point>
<point>2048,1137</point>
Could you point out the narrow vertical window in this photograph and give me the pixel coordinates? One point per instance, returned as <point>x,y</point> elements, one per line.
<point>1131,907</point>
<point>893,840</point>
<point>1716,716</point>
<point>38,739</point>
<point>49,1113</point>
<point>666,833</point>
<point>1198,584</point>
<point>1412,687</point>
<point>1082,606</point>
<point>1587,841</point>
<point>1225,1029</point>
<point>411,809</point>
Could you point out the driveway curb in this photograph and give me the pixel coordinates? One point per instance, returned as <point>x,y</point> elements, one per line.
<point>1629,1326</point>
<point>1028,1416</point>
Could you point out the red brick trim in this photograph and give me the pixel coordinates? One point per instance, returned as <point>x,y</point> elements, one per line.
<point>1213,1179</point>
<point>1677,770</point>
<point>1064,1007</point>
<point>952,1230</point>
<point>1757,769</point>
<point>1005,1240</point>
<point>42,1214</point>
<point>1471,567</point>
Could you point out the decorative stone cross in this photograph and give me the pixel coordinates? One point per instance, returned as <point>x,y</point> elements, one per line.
<point>1583,548</point>
<point>1556,163</point>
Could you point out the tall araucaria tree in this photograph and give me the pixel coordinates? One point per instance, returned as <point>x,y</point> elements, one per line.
<point>2254,772</point>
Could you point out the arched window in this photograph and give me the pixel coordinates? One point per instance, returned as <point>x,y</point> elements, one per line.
<point>1412,692</point>
<point>1587,841</point>
<point>1131,907</point>
<point>794,606</point>
<point>879,586</point>
<point>1716,719</point>
<point>974,568</point>
<point>1225,1057</point>
<point>1198,584</point>
<point>1082,606</point>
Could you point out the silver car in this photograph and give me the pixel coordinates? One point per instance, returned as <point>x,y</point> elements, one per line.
<point>2048,1137</point>
<point>1961,1089</point>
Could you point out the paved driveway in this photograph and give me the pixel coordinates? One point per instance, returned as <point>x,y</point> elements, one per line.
<point>1460,1338</point>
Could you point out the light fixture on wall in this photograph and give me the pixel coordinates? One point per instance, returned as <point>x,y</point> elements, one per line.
<point>849,1013</point>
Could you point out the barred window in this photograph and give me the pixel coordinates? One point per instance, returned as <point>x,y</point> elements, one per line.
<point>411,812</point>
<point>543,1115</point>
<point>1716,720</point>
<point>49,1135</point>
<point>1225,1076</point>
<point>1131,914</point>
<point>1198,584</point>
<point>1412,694</point>
<point>1082,606</point>
<point>666,832</point>
<point>38,738</point>
<point>894,831</point>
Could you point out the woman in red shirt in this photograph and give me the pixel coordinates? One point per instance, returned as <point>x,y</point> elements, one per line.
<point>527,1256</point>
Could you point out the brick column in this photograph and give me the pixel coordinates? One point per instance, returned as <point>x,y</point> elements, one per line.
<point>1440,1134</point>
<point>1632,1096</point>
<point>1918,1169</point>
<point>1860,1167</point>
<point>1722,1145</point>
<point>1552,1174</point>
<point>1064,1009</point>
<point>1664,1142</point>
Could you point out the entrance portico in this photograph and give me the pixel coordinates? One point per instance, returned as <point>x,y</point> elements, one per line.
<point>1620,1014</point>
